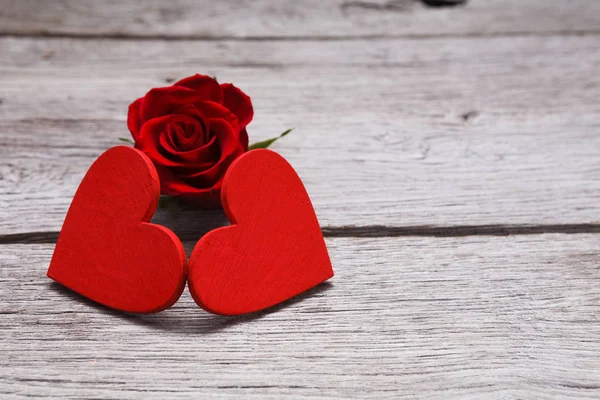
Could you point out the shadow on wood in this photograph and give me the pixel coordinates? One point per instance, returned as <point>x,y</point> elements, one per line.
<point>189,223</point>
<point>185,316</point>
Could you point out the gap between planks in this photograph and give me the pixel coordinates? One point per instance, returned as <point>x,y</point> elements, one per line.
<point>297,38</point>
<point>373,231</point>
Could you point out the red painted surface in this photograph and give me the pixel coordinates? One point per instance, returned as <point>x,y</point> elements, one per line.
<point>107,250</point>
<point>274,249</point>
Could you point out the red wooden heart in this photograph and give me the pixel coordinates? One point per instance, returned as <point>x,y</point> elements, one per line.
<point>107,250</point>
<point>273,251</point>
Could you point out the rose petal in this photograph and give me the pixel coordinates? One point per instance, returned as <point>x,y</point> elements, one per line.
<point>244,139</point>
<point>226,135</point>
<point>201,157</point>
<point>202,178</point>
<point>226,125</point>
<point>148,141</point>
<point>164,101</point>
<point>210,109</point>
<point>239,103</point>
<point>186,133</point>
<point>171,137</point>
<point>192,111</point>
<point>208,177</point>
<point>133,119</point>
<point>238,152</point>
<point>209,198</point>
<point>170,130</point>
<point>203,84</point>
<point>174,186</point>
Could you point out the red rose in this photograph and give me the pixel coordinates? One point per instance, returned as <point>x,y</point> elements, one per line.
<point>192,131</point>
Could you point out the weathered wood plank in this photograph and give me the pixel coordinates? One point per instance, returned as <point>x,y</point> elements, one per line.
<point>307,18</point>
<point>396,132</point>
<point>513,317</point>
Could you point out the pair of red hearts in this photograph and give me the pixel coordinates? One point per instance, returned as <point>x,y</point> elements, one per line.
<point>109,252</point>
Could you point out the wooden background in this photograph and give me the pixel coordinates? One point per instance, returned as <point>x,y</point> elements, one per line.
<point>452,155</point>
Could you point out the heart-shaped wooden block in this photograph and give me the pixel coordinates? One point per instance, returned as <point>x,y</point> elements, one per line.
<point>274,249</point>
<point>107,250</point>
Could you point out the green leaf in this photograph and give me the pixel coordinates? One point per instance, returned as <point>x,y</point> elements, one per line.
<point>266,143</point>
<point>126,140</point>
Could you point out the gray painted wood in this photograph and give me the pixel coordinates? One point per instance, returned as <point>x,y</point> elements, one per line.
<point>476,317</point>
<point>440,132</point>
<point>306,18</point>
<point>467,122</point>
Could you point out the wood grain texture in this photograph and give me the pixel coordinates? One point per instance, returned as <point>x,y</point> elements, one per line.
<point>477,120</point>
<point>306,18</point>
<point>438,132</point>
<point>273,250</point>
<point>479,317</point>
